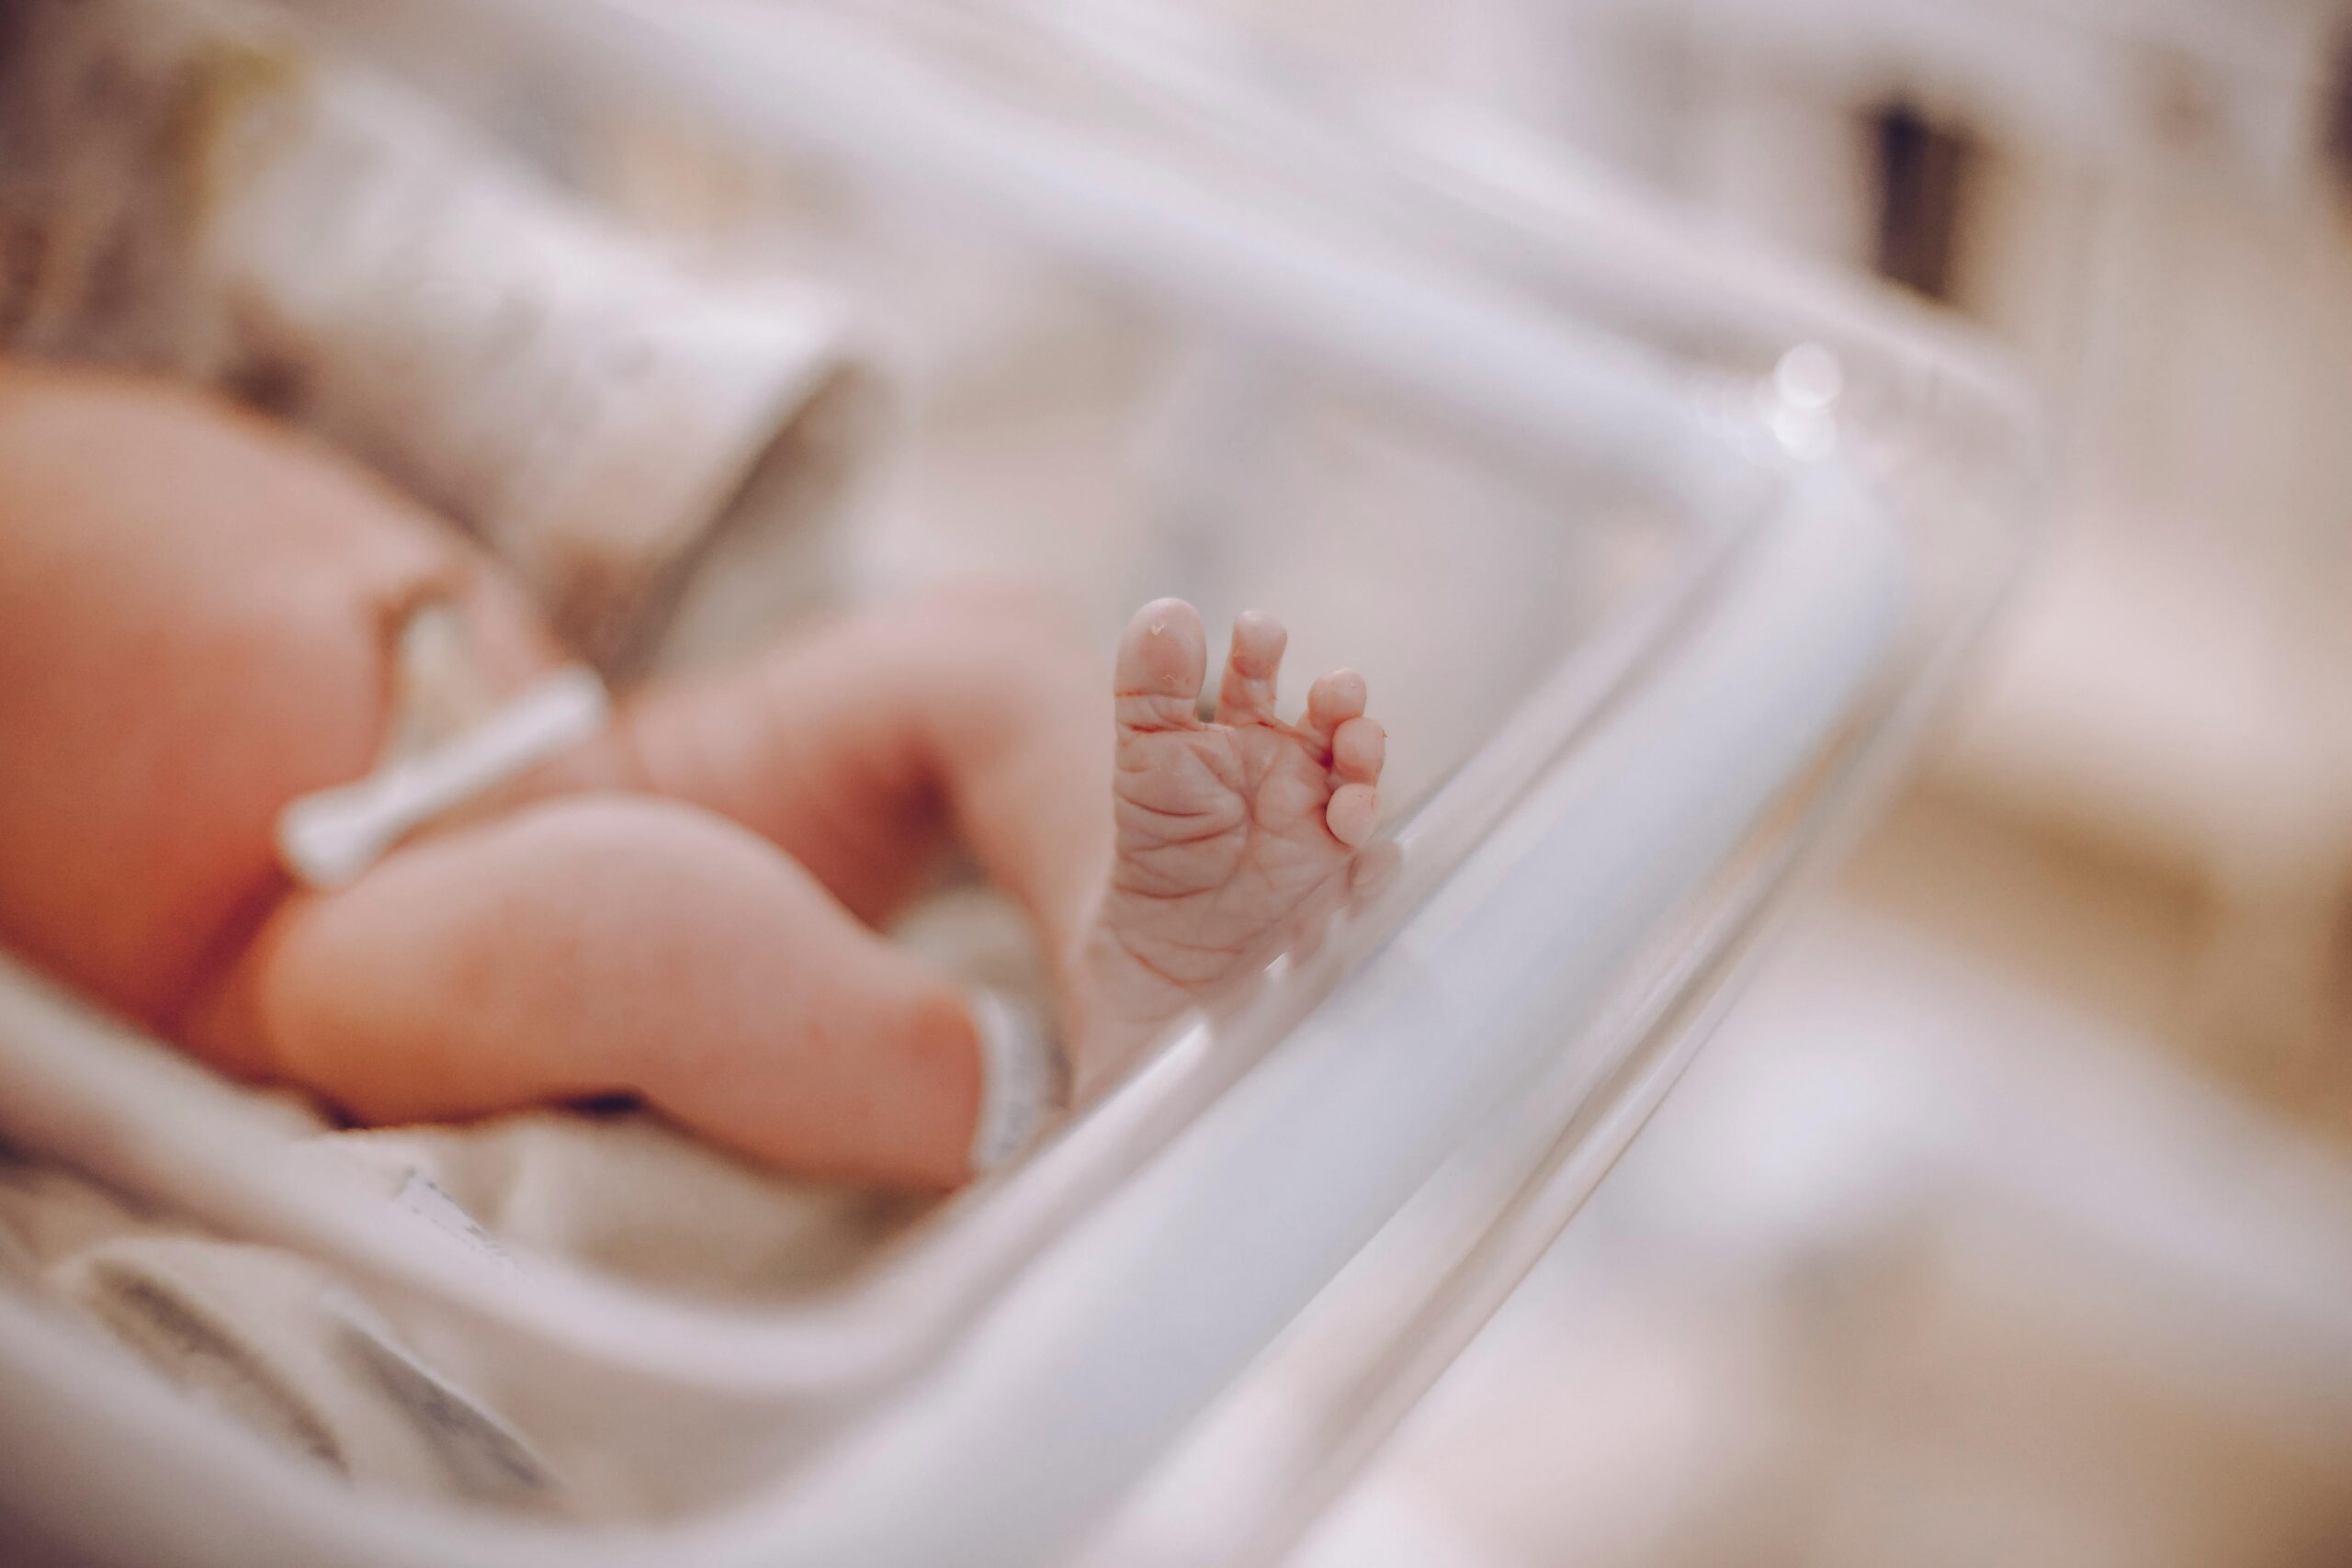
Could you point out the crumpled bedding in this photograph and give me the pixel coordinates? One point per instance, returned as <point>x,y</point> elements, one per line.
<point>280,1345</point>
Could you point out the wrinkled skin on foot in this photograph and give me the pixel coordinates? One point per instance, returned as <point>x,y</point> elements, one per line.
<point>1227,829</point>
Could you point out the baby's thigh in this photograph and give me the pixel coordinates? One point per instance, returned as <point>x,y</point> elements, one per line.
<point>601,943</point>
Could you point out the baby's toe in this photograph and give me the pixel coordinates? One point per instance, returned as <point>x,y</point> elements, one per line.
<point>1163,655</point>
<point>1358,748</point>
<point>1331,702</point>
<point>1247,695</point>
<point>1351,812</point>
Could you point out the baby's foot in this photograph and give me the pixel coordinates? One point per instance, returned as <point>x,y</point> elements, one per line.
<point>1225,830</point>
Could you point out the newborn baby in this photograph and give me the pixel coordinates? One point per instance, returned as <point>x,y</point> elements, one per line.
<point>199,618</point>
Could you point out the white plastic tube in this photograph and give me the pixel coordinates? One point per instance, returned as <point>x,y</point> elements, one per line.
<point>328,837</point>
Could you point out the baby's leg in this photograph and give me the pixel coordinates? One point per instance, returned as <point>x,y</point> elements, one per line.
<point>856,747</point>
<point>599,944</point>
<point>1149,881</point>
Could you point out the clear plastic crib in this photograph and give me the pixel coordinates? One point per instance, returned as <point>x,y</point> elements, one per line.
<point>1708,535</point>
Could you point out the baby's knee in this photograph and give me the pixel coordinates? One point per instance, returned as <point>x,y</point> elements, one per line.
<point>1005,655</point>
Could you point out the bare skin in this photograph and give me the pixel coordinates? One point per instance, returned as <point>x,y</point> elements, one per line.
<point>195,615</point>
<point>1224,829</point>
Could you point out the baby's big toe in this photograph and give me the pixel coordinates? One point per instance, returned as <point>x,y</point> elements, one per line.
<point>1163,655</point>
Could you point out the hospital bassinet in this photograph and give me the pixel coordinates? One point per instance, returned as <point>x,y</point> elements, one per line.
<point>1704,535</point>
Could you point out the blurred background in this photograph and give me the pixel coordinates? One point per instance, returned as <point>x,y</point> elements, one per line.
<point>1997,1224</point>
